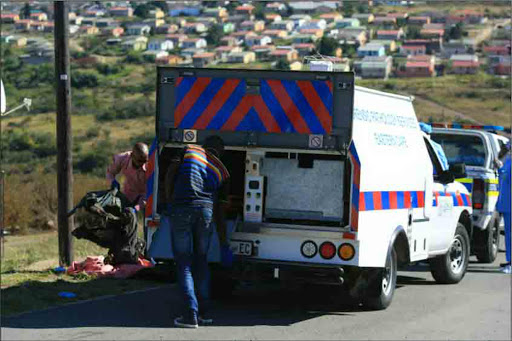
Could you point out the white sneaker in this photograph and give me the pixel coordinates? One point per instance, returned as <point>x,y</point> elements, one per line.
<point>506,269</point>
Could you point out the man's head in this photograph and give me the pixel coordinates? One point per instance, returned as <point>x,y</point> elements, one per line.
<point>139,154</point>
<point>214,144</point>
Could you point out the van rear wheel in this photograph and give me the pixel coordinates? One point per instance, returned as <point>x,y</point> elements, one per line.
<point>487,241</point>
<point>382,284</point>
<point>451,267</point>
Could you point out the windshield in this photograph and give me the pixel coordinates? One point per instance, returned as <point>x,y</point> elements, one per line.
<point>462,148</point>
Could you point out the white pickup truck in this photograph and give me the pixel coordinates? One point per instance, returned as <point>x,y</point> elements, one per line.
<point>478,148</point>
<point>330,182</point>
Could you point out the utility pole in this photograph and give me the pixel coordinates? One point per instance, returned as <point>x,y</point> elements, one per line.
<point>64,141</point>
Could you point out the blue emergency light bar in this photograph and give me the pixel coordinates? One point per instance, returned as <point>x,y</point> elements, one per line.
<point>467,126</point>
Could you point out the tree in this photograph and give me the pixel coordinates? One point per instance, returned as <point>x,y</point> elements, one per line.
<point>327,46</point>
<point>413,32</point>
<point>160,4</point>
<point>142,11</point>
<point>456,32</point>
<point>25,11</point>
<point>282,65</point>
<point>259,12</point>
<point>214,35</point>
<point>348,9</point>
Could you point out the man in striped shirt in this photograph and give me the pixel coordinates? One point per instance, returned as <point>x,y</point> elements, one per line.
<point>193,182</point>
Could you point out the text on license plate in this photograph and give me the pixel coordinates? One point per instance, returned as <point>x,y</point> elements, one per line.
<point>241,248</point>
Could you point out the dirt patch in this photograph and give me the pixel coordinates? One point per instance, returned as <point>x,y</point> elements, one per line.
<point>43,265</point>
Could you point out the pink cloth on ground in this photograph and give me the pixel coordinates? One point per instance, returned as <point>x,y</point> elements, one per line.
<point>95,265</point>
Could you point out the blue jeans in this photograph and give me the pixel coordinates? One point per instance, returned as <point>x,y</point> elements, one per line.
<point>506,217</point>
<point>191,232</point>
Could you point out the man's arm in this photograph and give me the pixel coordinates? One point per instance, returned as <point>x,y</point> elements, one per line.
<point>218,215</point>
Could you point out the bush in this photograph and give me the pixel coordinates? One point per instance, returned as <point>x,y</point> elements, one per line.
<point>84,80</point>
<point>126,110</point>
<point>134,58</point>
<point>109,69</point>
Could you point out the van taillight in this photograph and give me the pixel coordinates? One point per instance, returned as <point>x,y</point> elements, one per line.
<point>478,196</point>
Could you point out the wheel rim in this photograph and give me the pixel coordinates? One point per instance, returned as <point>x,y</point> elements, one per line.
<point>387,278</point>
<point>457,255</point>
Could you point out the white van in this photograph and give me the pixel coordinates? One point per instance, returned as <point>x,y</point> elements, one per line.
<point>331,183</point>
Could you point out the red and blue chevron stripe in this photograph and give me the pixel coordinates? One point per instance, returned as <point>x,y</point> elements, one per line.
<point>391,200</point>
<point>356,179</point>
<point>150,178</point>
<point>459,199</point>
<point>282,106</point>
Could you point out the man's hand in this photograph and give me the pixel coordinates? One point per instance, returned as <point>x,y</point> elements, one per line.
<point>115,184</point>
<point>226,256</point>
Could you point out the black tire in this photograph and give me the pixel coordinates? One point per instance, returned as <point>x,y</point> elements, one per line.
<point>382,284</point>
<point>487,241</point>
<point>451,267</point>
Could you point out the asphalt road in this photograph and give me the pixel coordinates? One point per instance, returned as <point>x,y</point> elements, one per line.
<point>479,307</point>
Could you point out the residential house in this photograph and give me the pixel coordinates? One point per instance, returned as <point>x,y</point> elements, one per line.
<point>196,43</point>
<point>314,24</point>
<point>113,41</point>
<point>229,41</point>
<point>242,57</point>
<point>203,59</point>
<point>94,13</point>
<point>304,38</point>
<point>500,50</point>
<point>44,26</point>
<point>304,49</point>
<point>470,17</point>
<point>89,21</point>
<point>315,7</point>
<point>121,11</point>
<point>242,36</point>
<point>276,7</point>
<point>355,38</point>
<point>106,22</point>
<point>237,19</point>
<point>73,29</point>
<point>347,22</point>
<point>288,54</point>
<point>418,21</point>
<point>276,34</point>
<point>228,27</point>
<point>432,33</point>
<point>296,66</point>
<point>432,45</point>
<point>219,13</point>
<point>245,10</point>
<point>222,52</point>
<point>385,22</point>
<point>188,53</point>
<point>138,29</point>
<point>337,64</point>
<point>250,25</point>
<point>160,45</point>
<point>272,17</point>
<point>364,18</point>
<point>153,23</point>
<point>177,39</point>
<point>390,34</point>
<point>16,41</point>
<point>258,40</point>
<point>499,65</point>
<point>417,66</point>
<point>331,17</point>
<point>318,32</point>
<point>189,11</point>
<point>284,25</point>
<point>167,29</point>
<point>76,20</point>
<point>39,16</point>
<point>194,27</point>
<point>9,18</point>
<point>208,22</point>
<point>113,31</point>
<point>464,64</point>
<point>413,50</point>
<point>23,25</point>
<point>371,49</point>
<point>263,52</point>
<point>299,19</point>
<point>135,44</point>
<point>454,47</point>
<point>374,67</point>
<point>401,18</point>
<point>389,45</point>
<point>433,26</point>
<point>89,30</point>
<point>156,13</point>
<point>168,60</point>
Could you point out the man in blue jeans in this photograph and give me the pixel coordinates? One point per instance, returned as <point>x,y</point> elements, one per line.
<point>503,206</point>
<point>193,182</point>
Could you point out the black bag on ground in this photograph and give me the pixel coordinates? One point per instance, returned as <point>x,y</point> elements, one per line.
<point>105,222</point>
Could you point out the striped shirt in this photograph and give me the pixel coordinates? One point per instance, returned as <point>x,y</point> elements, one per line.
<point>199,178</point>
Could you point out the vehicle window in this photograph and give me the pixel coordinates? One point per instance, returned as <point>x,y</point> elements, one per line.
<point>433,158</point>
<point>462,148</point>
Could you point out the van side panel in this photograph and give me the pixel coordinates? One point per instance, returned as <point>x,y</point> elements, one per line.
<point>395,171</point>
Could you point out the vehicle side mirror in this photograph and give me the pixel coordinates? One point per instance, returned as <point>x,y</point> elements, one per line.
<point>446,177</point>
<point>458,170</point>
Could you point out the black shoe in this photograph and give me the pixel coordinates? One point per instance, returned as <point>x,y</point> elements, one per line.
<point>188,320</point>
<point>205,319</point>
<point>504,264</point>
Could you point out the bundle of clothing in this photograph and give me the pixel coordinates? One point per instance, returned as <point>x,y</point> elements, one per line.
<point>109,220</point>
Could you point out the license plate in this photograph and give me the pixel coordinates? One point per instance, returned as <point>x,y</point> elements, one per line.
<point>241,248</point>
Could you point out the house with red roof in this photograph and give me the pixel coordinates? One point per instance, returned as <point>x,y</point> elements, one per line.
<point>121,11</point>
<point>245,10</point>
<point>304,49</point>
<point>203,59</point>
<point>432,33</point>
<point>287,54</point>
<point>417,66</point>
<point>390,34</point>
<point>39,16</point>
<point>462,64</point>
<point>418,20</point>
<point>500,50</point>
<point>9,18</point>
<point>413,50</point>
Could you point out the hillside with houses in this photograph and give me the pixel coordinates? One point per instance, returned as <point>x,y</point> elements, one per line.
<point>363,36</point>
